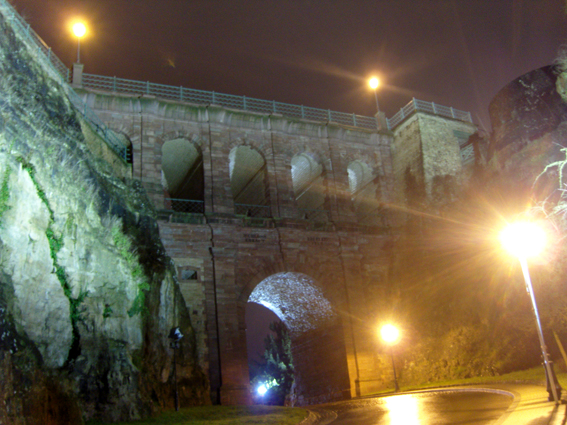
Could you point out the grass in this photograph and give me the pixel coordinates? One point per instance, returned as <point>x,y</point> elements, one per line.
<point>534,375</point>
<point>225,415</point>
<point>272,415</point>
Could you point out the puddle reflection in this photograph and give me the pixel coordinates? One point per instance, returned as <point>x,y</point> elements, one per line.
<point>403,409</point>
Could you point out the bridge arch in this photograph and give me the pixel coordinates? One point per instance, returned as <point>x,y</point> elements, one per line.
<point>364,190</point>
<point>248,182</point>
<point>317,339</point>
<point>183,175</point>
<point>309,185</point>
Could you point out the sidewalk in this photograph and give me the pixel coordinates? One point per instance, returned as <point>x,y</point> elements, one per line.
<point>530,405</point>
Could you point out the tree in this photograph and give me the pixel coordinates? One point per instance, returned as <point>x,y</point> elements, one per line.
<point>276,371</point>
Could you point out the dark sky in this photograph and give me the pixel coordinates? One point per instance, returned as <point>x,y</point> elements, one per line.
<point>313,52</point>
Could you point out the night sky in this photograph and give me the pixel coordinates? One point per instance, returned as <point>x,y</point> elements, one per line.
<point>313,52</point>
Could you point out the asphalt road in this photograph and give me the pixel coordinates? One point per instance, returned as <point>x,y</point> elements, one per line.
<point>428,408</point>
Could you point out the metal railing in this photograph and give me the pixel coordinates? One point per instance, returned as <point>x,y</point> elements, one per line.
<point>44,51</point>
<point>313,214</point>
<point>416,105</point>
<point>249,210</point>
<point>244,103</point>
<point>184,205</point>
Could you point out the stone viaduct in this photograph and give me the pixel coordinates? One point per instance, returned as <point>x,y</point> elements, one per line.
<point>292,213</point>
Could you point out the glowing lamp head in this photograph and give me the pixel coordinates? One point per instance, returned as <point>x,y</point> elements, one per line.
<point>390,334</point>
<point>374,83</point>
<point>262,389</point>
<point>79,29</point>
<point>523,239</point>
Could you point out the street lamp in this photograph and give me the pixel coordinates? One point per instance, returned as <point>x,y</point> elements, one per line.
<point>391,335</point>
<point>79,29</point>
<point>374,83</point>
<point>175,336</point>
<point>524,240</point>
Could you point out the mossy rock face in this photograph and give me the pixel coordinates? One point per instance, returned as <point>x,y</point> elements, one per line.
<point>87,293</point>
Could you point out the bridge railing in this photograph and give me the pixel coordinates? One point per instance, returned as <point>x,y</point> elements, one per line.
<point>416,105</point>
<point>184,205</point>
<point>201,97</point>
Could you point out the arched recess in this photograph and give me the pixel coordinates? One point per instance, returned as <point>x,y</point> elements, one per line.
<point>317,338</point>
<point>364,190</point>
<point>309,186</point>
<point>248,182</point>
<point>183,176</point>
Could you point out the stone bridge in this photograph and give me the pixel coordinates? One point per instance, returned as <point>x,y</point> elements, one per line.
<point>297,215</point>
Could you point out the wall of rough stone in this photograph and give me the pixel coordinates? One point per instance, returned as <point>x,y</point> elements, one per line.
<point>87,296</point>
<point>427,158</point>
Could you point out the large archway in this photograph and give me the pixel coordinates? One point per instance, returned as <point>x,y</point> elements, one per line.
<point>317,338</point>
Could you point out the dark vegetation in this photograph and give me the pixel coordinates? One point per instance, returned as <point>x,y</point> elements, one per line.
<point>276,369</point>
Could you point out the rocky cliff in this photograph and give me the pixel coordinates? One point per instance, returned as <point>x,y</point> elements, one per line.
<point>87,294</point>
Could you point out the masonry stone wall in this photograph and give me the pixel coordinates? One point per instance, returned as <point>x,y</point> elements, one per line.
<point>221,256</point>
<point>427,157</point>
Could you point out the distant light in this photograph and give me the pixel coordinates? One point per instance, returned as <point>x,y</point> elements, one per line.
<point>262,389</point>
<point>390,334</point>
<point>374,83</point>
<point>79,29</point>
<point>523,239</point>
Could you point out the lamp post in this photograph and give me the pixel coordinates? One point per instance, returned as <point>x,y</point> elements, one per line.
<point>374,83</point>
<point>391,335</point>
<point>524,240</point>
<point>175,336</point>
<point>79,29</point>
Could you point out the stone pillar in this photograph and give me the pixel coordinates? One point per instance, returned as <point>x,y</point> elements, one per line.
<point>235,380</point>
<point>77,75</point>
<point>381,121</point>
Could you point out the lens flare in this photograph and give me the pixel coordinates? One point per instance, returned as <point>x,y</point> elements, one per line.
<point>390,334</point>
<point>523,239</point>
<point>79,29</point>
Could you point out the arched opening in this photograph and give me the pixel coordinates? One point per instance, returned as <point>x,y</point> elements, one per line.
<point>317,340</point>
<point>182,176</point>
<point>310,190</point>
<point>248,182</point>
<point>364,188</point>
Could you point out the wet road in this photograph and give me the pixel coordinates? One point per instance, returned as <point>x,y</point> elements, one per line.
<point>439,408</point>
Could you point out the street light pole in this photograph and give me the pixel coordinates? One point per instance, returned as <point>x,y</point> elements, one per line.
<point>397,387</point>
<point>374,82</point>
<point>391,335</point>
<point>523,240</point>
<point>549,375</point>
<point>79,30</point>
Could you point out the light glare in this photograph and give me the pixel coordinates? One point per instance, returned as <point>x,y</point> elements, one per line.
<point>390,334</point>
<point>374,83</point>
<point>79,29</point>
<point>523,239</point>
<point>262,389</point>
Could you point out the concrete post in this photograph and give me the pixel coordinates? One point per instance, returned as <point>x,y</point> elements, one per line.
<point>77,75</point>
<point>381,121</point>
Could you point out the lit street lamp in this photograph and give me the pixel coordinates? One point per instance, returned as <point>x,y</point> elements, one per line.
<point>374,83</point>
<point>175,336</point>
<point>391,335</point>
<point>524,240</point>
<point>79,29</point>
